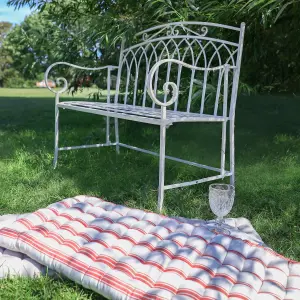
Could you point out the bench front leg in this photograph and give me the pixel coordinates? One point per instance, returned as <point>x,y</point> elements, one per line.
<point>56,134</point>
<point>162,158</point>
<point>163,127</point>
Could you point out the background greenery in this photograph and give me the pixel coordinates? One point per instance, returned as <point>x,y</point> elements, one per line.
<point>79,30</point>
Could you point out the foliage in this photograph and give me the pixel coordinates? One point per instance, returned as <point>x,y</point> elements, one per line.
<point>17,81</point>
<point>5,58</point>
<point>4,29</point>
<point>272,44</point>
<point>30,45</point>
<point>16,59</point>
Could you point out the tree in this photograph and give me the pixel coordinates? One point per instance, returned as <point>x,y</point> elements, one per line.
<point>39,41</point>
<point>29,45</point>
<point>5,58</point>
<point>4,29</point>
<point>272,44</point>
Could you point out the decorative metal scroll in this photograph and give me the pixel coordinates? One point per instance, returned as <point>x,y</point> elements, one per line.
<point>175,30</point>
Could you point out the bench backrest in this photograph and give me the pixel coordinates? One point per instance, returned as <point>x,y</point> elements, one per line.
<point>199,44</point>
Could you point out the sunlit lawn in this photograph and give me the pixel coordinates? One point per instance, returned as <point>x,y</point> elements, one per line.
<point>268,169</point>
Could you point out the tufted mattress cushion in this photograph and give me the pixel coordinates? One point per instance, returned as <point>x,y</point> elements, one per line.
<point>125,253</point>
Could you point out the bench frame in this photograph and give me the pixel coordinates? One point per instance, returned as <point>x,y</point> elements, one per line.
<point>164,122</point>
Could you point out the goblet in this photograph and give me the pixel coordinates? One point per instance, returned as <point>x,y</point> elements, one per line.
<point>221,198</point>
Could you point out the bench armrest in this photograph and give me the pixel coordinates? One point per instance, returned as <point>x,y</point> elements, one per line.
<point>64,80</point>
<point>174,86</point>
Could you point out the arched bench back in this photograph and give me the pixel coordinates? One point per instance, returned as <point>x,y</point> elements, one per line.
<point>200,44</point>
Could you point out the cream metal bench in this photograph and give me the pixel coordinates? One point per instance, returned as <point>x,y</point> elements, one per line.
<point>191,59</point>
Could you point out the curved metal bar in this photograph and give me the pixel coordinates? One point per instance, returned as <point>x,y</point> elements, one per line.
<point>167,37</point>
<point>173,84</point>
<point>64,80</point>
<point>189,23</point>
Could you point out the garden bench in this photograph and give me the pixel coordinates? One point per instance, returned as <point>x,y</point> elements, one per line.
<point>198,62</point>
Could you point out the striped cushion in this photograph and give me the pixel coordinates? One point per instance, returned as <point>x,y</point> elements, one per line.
<point>125,253</point>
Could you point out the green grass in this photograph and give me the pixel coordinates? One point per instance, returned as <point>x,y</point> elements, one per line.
<point>267,174</point>
<point>43,288</point>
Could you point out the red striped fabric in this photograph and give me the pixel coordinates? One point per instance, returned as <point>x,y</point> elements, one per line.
<point>125,253</point>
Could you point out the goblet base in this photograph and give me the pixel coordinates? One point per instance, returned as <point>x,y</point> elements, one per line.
<point>220,230</point>
<point>219,227</point>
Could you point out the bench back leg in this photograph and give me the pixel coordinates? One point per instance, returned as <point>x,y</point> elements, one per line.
<point>56,134</point>
<point>117,135</point>
<point>232,150</point>
<point>107,130</point>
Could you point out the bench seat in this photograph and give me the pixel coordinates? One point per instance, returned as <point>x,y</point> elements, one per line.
<point>137,113</point>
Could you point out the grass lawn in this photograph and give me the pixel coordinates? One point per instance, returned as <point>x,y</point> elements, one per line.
<point>267,170</point>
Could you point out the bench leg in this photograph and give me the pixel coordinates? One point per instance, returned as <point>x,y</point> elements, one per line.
<point>162,157</point>
<point>117,135</point>
<point>223,148</point>
<point>232,156</point>
<point>56,135</point>
<point>107,130</point>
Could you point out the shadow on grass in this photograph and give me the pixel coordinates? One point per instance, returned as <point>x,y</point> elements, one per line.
<point>267,161</point>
